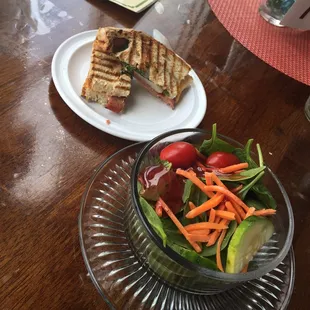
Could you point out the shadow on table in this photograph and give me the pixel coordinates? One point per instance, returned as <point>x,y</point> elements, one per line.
<point>78,128</point>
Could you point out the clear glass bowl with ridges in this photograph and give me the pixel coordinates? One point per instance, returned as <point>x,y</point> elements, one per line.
<point>125,282</point>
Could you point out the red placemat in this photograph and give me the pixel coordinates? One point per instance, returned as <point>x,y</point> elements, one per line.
<point>285,49</point>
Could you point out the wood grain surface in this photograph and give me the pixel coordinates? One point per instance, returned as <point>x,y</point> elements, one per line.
<point>48,153</point>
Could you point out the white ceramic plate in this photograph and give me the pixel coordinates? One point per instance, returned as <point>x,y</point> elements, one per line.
<point>144,118</point>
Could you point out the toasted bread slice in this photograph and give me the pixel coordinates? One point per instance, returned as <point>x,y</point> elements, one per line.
<point>151,59</point>
<point>106,83</point>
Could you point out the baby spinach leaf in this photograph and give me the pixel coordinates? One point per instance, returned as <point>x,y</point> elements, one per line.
<point>199,197</point>
<point>244,175</point>
<point>139,187</point>
<point>245,189</point>
<point>245,154</point>
<point>209,251</point>
<point>260,155</point>
<point>194,257</point>
<point>187,190</point>
<point>263,195</point>
<point>173,234</point>
<point>215,144</point>
<point>254,203</point>
<point>153,219</point>
<point>184,220</point>
<point>196,196</point>
<point>247,149</point>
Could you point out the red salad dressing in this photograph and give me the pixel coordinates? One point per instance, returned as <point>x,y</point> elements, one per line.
<point>159,181</point>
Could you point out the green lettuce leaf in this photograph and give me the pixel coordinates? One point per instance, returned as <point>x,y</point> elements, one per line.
<point>262,194</point>
<point>254,203</point>
<point>244,175</point>
<point>215,144</point>
<point>153,219</point>
<point>245,189</point>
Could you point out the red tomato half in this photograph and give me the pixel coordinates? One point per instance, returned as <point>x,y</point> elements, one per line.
<point>222,159</point>
<point>179,154</point>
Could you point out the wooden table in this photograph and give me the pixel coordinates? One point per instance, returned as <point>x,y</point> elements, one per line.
<point>48,153</point>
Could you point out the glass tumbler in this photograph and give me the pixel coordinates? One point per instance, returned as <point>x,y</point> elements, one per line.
<point>307,109</point>
<point>273,11</point>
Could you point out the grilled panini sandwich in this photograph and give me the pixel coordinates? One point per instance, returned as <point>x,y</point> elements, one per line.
<point>163,73</point>
<point>106,82</point>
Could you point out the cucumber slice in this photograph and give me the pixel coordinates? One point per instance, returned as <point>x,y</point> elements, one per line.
<point>248,238</point>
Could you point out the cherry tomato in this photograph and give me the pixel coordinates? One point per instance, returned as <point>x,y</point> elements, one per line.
<point>222,159</point>
<point>179,154</point>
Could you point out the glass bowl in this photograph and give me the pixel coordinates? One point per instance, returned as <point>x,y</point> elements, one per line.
<point>177,271</point>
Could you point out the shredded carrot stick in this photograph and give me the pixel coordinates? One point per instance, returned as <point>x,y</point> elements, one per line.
<point>221,208</point>
<point>216,180</point>
<point>211,203</point>
<point>245,268</point>
<point>238,171</point>
<point>201,156</point>
<point>226,215</point>
<point>240,214</point>
<point>212,216</point>
<point>159,209</point>
<point>181,228</point>
<point>208,178</point>
<point>200,232</point>
<point>191,205</point>
<point>218,251</point>
<point>250,212</point>
<point>204,225</point>
<point>265,212</point>
<point>231,208</point>
<point>239,209</point>
<point>233,168</point>
<point>236,189</point>
<point>214,236</point>
<point>191,175</point>
<point>200,238</point>
<point>226,192</point>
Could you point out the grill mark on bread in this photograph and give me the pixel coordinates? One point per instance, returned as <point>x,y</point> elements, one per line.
<point>165,71</point>
<point>101,63</point>
<point>108,72</point>
<point>147,51</point>
<point>122,87</point>
<point>139,44</point>
<point>105,58</point>
<point>98,76</point>
<point>151,49</point>
<point>172,70</point>
<point>131,49</point>
<point>142,53</point>
<point>157,59</point>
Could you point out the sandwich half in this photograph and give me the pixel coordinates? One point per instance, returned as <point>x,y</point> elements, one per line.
<point>106,83</point>
<point>163,73</point>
